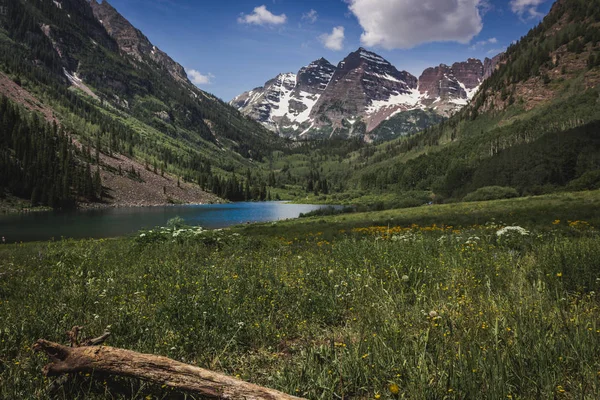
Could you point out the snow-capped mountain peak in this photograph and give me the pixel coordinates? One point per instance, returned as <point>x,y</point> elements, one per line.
<point>359,94</point>
<point>284,104</point>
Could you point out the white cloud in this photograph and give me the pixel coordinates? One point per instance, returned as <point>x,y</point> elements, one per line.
<point>333,40</point>
<point>262,16</point>
<point>408,23</point>
<point>310,16</point>
<point>526,8</point>
<point>198,78</point>
<point>482,43</point>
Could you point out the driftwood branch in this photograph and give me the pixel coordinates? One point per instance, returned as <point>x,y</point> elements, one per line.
<point>90,358</point>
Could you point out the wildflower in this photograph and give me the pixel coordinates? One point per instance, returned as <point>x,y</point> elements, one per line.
<point>473,240</point>
<point>330,272</point>
<point>433,314</point>
<point>559,274</point>
<point>394,389</point>
<point>405,278</point>
<point>377,396</point>
<point>512,229</point>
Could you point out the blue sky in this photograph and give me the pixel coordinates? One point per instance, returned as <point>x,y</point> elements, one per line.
<point>231,46</point>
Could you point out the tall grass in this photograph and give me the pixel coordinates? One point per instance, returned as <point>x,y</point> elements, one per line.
<point>427,312</point>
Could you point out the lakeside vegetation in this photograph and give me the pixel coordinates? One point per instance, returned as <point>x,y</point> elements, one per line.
<point>393,304</point>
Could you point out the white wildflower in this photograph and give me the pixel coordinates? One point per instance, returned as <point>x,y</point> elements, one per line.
<point>473,240</point>
<point>512,229</point>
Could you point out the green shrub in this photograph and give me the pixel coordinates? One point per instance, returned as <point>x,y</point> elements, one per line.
<point>321,212</point>
<point>491,193</point>
<point>588,181</point>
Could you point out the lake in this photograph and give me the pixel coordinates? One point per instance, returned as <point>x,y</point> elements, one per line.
<point>113,222</point>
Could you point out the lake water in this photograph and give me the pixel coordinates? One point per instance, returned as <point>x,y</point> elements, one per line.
<point>115,222</point>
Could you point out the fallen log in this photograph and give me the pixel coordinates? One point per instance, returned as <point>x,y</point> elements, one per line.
<point>88,357</point>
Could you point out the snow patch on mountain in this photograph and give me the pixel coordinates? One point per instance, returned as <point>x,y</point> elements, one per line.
<point>408,101</point>
<point>77,82</point>
<point>372,57</point>
<point>283,89</point>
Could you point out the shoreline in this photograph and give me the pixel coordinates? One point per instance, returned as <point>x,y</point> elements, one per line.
<point>102,206</point>
<point>15,210</point>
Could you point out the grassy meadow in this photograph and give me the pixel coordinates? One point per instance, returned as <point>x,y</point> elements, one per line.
<point>461,301</point>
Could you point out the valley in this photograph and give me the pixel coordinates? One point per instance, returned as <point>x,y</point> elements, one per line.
<point>460,261</point>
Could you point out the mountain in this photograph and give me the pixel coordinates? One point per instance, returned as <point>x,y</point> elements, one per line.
<point>449,88</point>
<point>133,42</point>
<point>285,103</point>
<point>113,93</point>
<point>360,94</point>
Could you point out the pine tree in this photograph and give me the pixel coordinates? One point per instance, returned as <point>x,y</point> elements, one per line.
<point>97,185</point>
<point>98,149</point>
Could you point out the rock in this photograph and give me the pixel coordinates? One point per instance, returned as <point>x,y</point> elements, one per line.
<point>491,64</point>
<point>133,42</point>
<point>163,115</point>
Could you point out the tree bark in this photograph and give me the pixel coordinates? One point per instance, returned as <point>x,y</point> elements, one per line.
<point>89,358</point>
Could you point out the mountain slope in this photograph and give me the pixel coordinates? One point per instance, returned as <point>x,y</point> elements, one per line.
<point>118,93</point>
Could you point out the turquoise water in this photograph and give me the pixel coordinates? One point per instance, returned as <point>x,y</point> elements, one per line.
<point>124,221</point>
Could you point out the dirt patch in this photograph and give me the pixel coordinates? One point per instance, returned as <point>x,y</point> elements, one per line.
<point>21,96</point>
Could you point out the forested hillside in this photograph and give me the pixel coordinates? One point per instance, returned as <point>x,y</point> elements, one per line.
<point>39,162</point>
<point>61,54</point>
<point>533,127</point>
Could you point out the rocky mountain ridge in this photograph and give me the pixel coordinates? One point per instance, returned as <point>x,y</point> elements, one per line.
<point>284,103</point>
<point>356,96</point>
<point>132,41</point>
